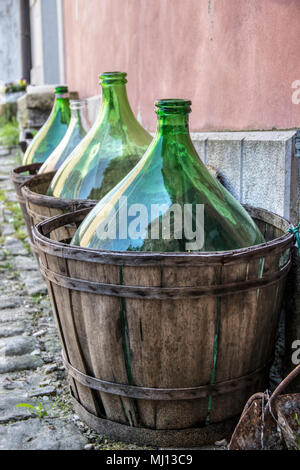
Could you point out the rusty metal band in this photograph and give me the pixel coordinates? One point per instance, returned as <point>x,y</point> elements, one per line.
<point>147,393</point>
<point>18,179</point>
<point>33,248</point>
<point>34,215</point>
<point>61,204</point>
<point>145,292</point>
<point>20,199</point>
<point>30,189</point>
<point>164,438</point>
<point>40,178</point>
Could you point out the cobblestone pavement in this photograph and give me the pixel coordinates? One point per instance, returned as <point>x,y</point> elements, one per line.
<point>35,410</point>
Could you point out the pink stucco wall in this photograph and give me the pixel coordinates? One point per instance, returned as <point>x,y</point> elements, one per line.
<point>235,59</point>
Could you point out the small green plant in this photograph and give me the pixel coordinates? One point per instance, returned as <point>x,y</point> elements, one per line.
<point>18,220</point>
<point>13,87</point>
<point>21,235</point>
<point>63,404</point>
<point>27,247</point>
<point>37,297</point>
<point>18,157</point>
<point>39,409</point>
<point>5,266</point>
<point>9,132</point>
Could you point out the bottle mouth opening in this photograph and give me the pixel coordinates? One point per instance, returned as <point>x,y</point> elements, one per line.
<point>61,89</point>
<point>77,104</point>
<point>173,106</point>
<point>113,78</point>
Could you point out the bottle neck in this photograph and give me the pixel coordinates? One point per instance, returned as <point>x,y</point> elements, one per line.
<point>77,112</point>
<point>61,100</point>
<point>115,102</point>
<point>62,106</point>
<point>78,117</point>
<point>172,124</point>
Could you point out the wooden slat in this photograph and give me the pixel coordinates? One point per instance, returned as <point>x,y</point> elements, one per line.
<point>99,318</point>
<point>161,354</point>
<point>64,306</point>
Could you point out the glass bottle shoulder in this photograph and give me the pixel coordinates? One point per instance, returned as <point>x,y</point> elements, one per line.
<point>106,154</point>
<point>48,137</point>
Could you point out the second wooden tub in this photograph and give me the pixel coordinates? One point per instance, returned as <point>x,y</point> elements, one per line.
<point>19,175</point>
<point>40,207</point>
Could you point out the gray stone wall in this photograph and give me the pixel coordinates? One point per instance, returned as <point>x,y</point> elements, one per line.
<point>35,106</point>
<point>10,45</point>
<point>259,168</point>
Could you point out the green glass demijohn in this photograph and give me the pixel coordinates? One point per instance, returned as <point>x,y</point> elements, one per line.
<point>169,201</point>
<point>52,132</point>
<point>77,129</point>
<point>111,148</point>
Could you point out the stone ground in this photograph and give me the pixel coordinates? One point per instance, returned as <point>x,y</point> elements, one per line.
<point>35,406</point>
<point>35,410</point>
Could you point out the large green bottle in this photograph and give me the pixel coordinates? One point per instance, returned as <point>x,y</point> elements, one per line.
<point>52,131</point>
<point>169,201</point>
<point>77,129</point>
<point>112,147</point>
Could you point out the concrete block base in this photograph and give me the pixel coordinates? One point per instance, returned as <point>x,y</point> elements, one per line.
<point>259,168</point>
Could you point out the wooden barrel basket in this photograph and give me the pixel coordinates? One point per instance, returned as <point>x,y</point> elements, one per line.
<point>18,176</point>
<point>40,207</point>
<point>164,349</point>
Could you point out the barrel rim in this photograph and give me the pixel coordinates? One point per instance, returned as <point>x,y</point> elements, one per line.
<point>16,173</point>
<point>51,201</point>
<point>64,250</point>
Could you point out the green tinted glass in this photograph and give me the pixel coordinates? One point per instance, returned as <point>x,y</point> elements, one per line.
<point>169,201</point>
<point>109,151</point>
<point>77,129</point>
<point>52,132</point>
